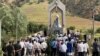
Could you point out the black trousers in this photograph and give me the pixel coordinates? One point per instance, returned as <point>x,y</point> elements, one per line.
<point>53,52</point>
<point>22,52</point>
<point>18,53</point>
<point>4,54</point>
<point>95,54</point>
<point>62,54</point>
<point>10,54</point>
<point>37,52</point>
<point>80,53</point>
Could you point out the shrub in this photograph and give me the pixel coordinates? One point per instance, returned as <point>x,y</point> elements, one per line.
<point>97,17</point>
<point>33,27</point>
<point>71,28</point>
<point>90,31</point>
<point>98,30</point>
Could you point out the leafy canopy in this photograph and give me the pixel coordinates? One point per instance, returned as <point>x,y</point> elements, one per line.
<point>12,19</point>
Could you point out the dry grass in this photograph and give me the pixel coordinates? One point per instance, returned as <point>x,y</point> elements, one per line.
<point>39,13</point>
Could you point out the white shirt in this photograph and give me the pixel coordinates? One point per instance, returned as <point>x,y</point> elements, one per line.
<point>36,39</point>
<point>69,35</point>
<point>26,44</point>
<point>66,42</point>
<point>33,38</point>
<point>43,45</point>
<point>42,39</point>
<point>89,37</point>
<point>63,48</point>
<point>59,38</point>
<point>65,37</point>
<point>86,46</point>
<point>22,44</point>
<point>80,47</point>
<point>72,40</point>
<point>30,46</point>
<point>37,45</point>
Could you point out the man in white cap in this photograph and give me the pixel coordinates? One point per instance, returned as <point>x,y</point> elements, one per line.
<point>80,48</point>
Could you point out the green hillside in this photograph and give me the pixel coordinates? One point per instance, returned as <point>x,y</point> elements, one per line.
<point>39,14</point>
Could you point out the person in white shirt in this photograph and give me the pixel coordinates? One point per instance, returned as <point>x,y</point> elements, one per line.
<point>80,48</point>
<point>37,48</point>
<point>26,44</point>
<point>65,37</point>
<point>22,43</point>
<point>63,49</point>
<point>30,48</point>
<point>66,41</point>
<point>86,48</point>
<point>42,38</point>
<point>89,36</point>
<point>36,38</point>
<point>43,48</point>
<point>69,35</point>
<point>33,38</point>
<point>43,45</point>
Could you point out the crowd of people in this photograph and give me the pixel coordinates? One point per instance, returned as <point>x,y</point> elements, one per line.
<point>70,44</point>
<point>31,46</point>
<point>62,45</point>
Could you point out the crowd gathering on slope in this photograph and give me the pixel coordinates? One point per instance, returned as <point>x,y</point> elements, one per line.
<point>63,45</point>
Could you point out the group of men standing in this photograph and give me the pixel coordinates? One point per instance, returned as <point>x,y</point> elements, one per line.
<point>34,46</point>
<point>67,46</point>
<point>71,45</point>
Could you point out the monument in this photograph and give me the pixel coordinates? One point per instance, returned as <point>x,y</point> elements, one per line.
<point>56,26</point>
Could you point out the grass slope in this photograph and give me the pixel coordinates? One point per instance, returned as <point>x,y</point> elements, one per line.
<point>39,14</point>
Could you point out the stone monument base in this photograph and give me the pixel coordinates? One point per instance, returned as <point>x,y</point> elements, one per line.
<point>60,31</point>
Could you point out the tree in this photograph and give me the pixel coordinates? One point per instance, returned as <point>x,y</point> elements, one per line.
<point>83,8</point>
<point>11,17</point>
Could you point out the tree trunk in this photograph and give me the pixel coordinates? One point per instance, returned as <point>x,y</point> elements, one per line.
<point>0,40</point>
<point>0,33</point>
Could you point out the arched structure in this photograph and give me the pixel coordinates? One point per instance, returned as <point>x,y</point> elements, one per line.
<point>58,5</point>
